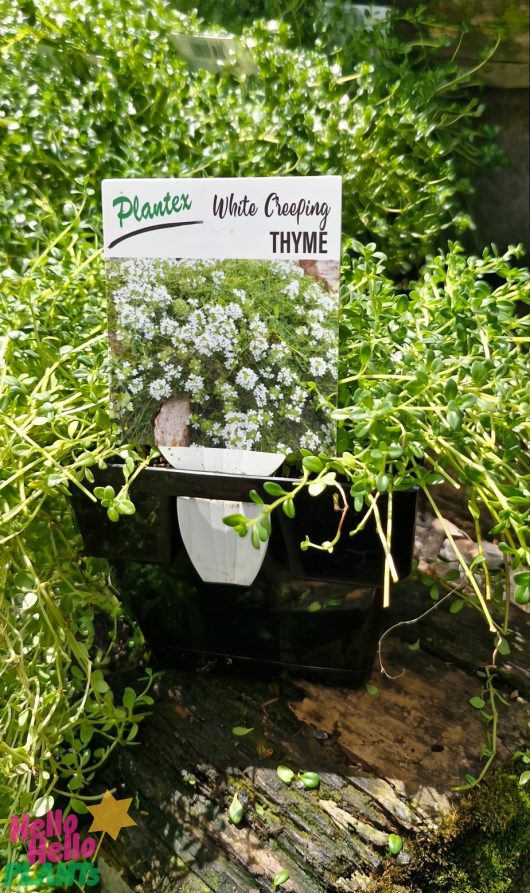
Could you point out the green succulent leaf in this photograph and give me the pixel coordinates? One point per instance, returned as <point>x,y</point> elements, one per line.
<point>285,774</point>
<point>395,844</point>
<point>477,703</point>
<point>310,780</point>
<point>236,810</point>
<point>280,878</point>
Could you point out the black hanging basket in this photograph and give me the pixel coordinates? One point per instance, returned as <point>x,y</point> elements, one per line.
<point>311,611</point>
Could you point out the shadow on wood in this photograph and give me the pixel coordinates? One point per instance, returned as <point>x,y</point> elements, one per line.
<point>387,764</point>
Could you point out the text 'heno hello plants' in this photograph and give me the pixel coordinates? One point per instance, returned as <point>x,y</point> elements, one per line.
<point>54,845</point>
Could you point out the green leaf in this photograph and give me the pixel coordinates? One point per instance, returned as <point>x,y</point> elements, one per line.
<point>53,480</point>
<point>273,489</point>
<point>316,489</point>
<point>86,732</point>
<point>125,507</point>
<point>236,810</point>
<point>451,389</point>
<point>372,689</point>
<point>524,777</point>
<point>382,482</point>
<point>310,780</point>
<point>415,646</point>
<point>288,508</point>
<point>454,419</point>
<point>522,594</point>
<point>113,513</point>
<point>285,774</point>
<point>239,731</point>
<point>477,703</point>
<point>23,581</point>
<point>263,528</point>
<point>98,682</point>
<point>365,352</point>
<point>255,537</point>
<point>395,844</point>
<point>255,497</point>
<point>236,520</point>
<point>479,372</point>
<point>313,463</point>
<point>30,599</point>
<point>43,805</point>
<point>456,606</point>
<point>78,806</point>
<point>129,699</point>
<point>133,731</point>
<point>280,878</point>
<point>503,647</point>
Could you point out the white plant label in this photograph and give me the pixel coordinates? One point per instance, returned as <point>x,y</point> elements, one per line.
<point>223,304</point>
<point>214,53</point>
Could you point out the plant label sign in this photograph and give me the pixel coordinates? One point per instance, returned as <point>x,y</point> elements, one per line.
<point>217,53</point>
<point>223,306</point>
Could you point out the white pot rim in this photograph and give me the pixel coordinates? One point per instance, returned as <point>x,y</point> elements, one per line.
<point>223,461</point>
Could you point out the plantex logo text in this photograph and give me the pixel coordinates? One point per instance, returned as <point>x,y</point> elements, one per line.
<point>57,854</point>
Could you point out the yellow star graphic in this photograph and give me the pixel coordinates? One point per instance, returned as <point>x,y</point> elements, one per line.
<point>110,816</point>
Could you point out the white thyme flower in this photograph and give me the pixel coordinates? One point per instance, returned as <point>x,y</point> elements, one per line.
<point>318,366</point>
<point>169,327</point>
<point>294,414</point>
<point>172,372</point>
<point>159,389</point>
<point>225,391</point>
<point>318,332</point>
<point>293,288</point>
<point>194,385</point>
<point>286,376</point>
<point>260,394</point>
<point>246,378</point>
<point>310,441</point>
<point>258,347</point>
<point>234,310</point>
<point>217,278</point>
<point>299,394</point>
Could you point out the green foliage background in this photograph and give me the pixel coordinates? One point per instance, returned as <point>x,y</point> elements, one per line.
<point>93,90</point>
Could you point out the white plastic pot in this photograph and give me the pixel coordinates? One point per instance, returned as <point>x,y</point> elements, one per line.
<point>218,554</point>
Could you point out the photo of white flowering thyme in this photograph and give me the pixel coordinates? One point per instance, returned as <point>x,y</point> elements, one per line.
<point>252,345</point>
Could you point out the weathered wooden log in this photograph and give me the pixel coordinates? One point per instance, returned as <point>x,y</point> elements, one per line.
<point>387,764</point>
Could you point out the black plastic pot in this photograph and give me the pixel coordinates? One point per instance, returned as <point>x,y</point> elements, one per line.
<point>310,611</point>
